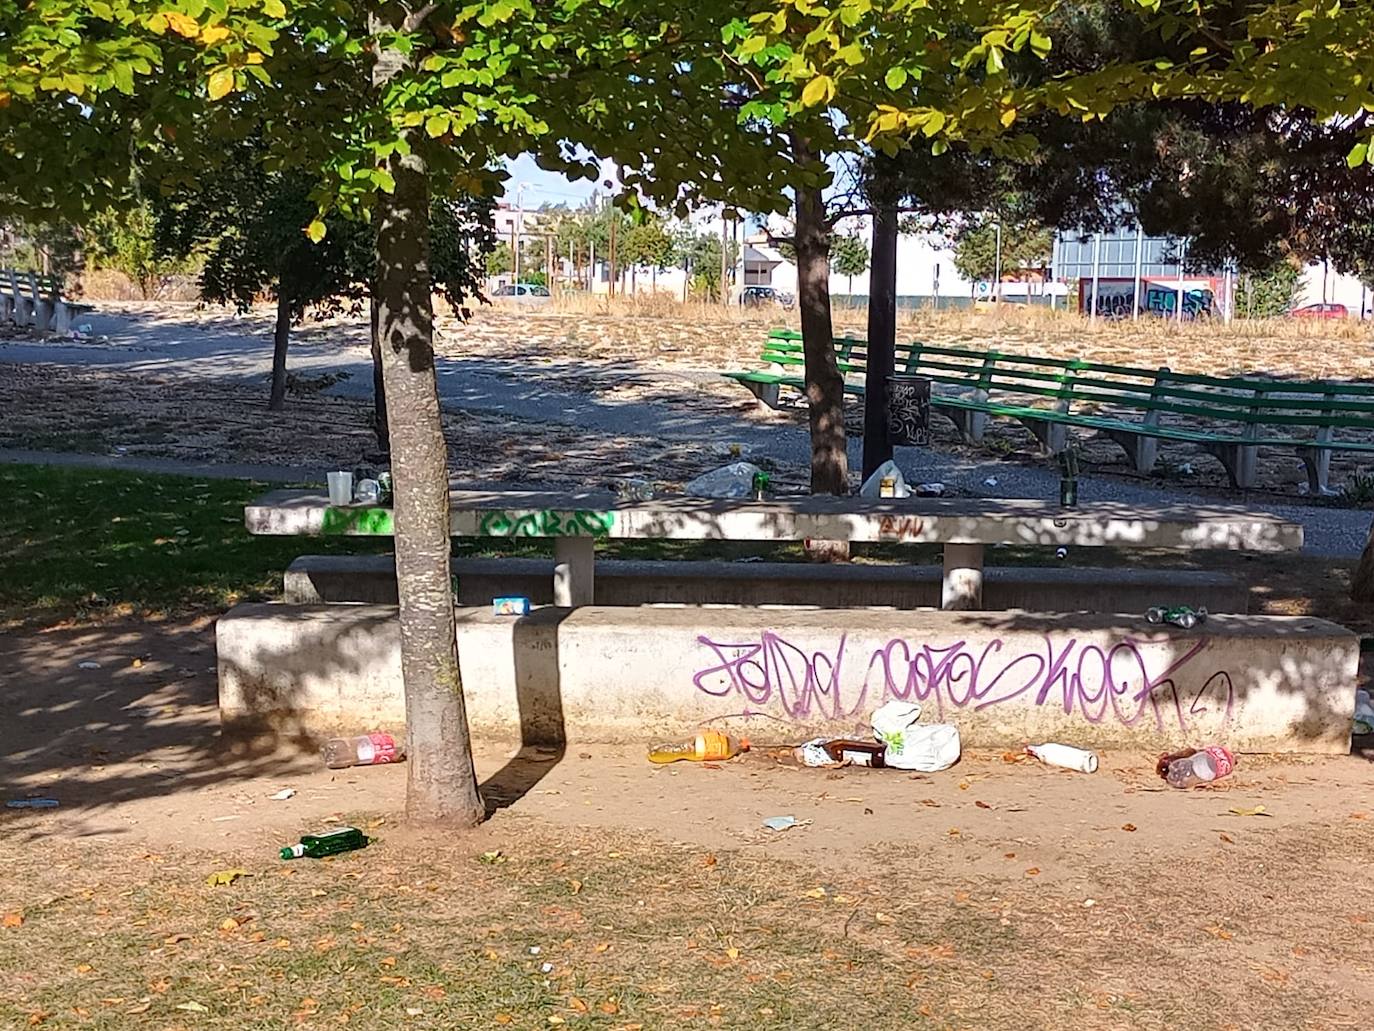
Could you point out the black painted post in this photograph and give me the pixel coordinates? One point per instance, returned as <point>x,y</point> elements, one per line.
<point>882,334</point>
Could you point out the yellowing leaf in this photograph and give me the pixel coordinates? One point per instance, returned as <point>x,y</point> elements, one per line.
<point>191,1007</point>
<point>1008,116</point>
<point>732,952</point>
<point>274,8</point>
<point>212,34</point>
<point>221,83</point>
<point>315,230</point>
<point>182,24</point>
<point>436,125</point>
<point>818,91</point>
<point>12,920</point>
<point>225,877</point>
<point>574,886</point>
<point>1258,810</point>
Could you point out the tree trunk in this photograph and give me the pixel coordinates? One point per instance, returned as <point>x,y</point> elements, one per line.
<point>281,338</point>
<point>378,386</point>
<point>441,783</point>
<point>824,384</point>
<point>1362,583</point>
<point>882,329</point>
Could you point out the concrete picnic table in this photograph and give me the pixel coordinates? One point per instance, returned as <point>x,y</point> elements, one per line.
<point>575,521</point>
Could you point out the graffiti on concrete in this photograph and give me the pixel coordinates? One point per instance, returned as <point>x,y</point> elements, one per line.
<point>1128,683</point>
<point>546,523</point>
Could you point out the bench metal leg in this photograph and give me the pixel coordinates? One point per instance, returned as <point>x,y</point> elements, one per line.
<point>1241,462</point>
<point>963,581</point>
<point>769,393</point>
<point>1053,436</point>
<point>1317,461</point>
<point>970,424</point>
<point>1142,451</point>
<point>574,571</point>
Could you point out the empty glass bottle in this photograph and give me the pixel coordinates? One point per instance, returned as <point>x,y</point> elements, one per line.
<point>317,846</point>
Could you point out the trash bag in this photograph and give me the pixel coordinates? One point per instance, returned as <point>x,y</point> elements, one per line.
<point>735,480</point>
<point>925,747</point>
<point>873,485</point>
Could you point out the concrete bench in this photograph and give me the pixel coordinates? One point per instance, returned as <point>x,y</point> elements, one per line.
<point>964,528</point>
<point>317,579</point>
<point>292,674</point>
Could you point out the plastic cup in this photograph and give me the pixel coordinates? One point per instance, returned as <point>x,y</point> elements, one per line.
<point>340,488</point>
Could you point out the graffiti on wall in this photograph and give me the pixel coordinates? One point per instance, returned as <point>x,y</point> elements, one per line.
<point>546,523</point>
<point>1128,683</point>
<point>1116,299</point>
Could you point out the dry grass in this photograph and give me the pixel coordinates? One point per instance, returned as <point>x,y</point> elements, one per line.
<point>599,930</point>
<point>59,408</point>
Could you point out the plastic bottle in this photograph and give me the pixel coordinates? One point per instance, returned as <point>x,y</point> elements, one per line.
<point>317,846</point>
<point>364,750</point>
<point>1201,767</point>
<point>708,746</point>
<point>1067,756</point>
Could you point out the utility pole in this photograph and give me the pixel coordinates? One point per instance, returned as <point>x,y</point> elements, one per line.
<point>548,264</point>
<point>997,265</point>
<point>1097,273</point>
<point>610,210</point>
<point>724,259</point>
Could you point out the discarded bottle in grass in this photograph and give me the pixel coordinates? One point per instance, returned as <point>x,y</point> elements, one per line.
<point>1200,766</point>
<point>364,750</point>
<point>1067,756</point>
<point>330,843</point>
<point>708,746</point>
<point>1068,478</point>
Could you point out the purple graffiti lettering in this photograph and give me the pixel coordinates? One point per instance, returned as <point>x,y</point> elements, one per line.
<point>1096,683</point>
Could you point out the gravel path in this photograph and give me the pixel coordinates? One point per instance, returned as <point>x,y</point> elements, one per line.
<point>198,351</point>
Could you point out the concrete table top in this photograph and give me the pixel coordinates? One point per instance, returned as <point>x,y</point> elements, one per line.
<point>600,515</point>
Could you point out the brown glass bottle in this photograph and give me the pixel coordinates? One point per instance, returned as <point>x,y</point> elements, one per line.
<point>856,753</point>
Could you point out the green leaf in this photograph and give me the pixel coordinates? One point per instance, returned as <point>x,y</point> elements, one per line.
<point>939,146</point>
<point>384,180</point>
<point>436,125</point>
<point>1358,155</point>
<point>315,230</point>
<point>895,78</point>
<point>274,8</point>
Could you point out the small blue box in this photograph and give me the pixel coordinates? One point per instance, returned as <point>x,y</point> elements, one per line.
<point>510,606</point>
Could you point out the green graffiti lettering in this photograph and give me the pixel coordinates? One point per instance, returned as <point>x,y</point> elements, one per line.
<point>367,522</point>
<point>547,523</point>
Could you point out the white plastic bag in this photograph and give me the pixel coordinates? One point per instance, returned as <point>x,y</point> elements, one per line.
<point>735,480</point>
<point>925,747</point>
<point>872,487</point>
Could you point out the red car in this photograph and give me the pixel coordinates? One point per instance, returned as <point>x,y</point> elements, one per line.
<point>1320,311</point>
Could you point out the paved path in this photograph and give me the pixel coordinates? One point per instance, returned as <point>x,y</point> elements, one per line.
<point>171,348</point>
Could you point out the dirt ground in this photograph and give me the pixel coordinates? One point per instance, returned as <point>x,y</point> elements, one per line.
<point>995,895</point>
<point>662,353</point>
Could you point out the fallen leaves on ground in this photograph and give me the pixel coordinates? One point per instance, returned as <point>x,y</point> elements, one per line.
<point>220,877</point>
<point>12,920</point>
<point>1258,810</point>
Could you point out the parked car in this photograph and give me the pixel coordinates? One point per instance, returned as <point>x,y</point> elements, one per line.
<point>759,296</point>
<point>1320,311</point>
<point>523,293</point>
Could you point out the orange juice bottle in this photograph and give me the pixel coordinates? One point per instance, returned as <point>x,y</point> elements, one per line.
<point>708,746</point>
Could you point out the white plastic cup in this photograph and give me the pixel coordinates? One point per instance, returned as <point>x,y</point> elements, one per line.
<point>340,488</point>
<point>1067,756</point>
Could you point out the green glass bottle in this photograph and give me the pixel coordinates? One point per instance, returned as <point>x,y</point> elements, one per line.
<point>317,846</point>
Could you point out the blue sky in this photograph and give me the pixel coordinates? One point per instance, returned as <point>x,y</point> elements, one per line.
<point>544,187</point>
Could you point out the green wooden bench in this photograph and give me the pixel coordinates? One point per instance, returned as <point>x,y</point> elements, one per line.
<point>1228,417</point>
